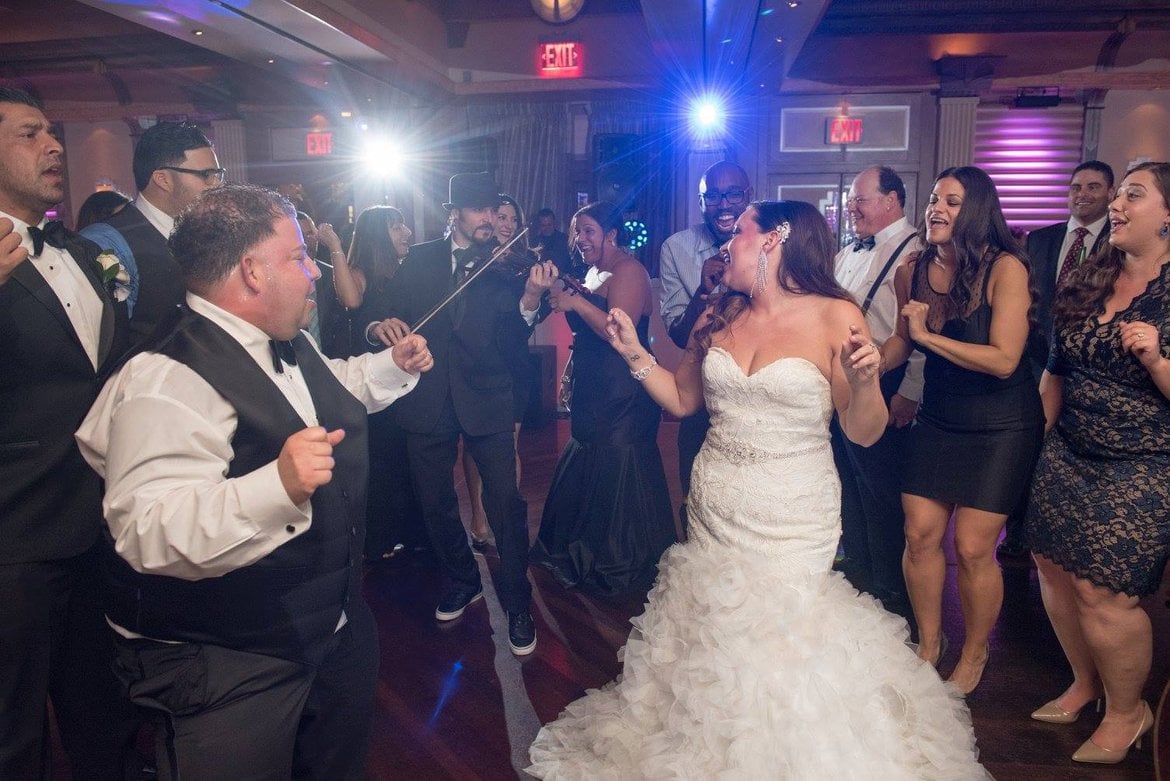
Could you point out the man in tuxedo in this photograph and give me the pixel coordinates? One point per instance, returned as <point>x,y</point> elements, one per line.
<point>871,503</point>
<point>1053,252</point>
<point>235,462</point>
<point>1056,249</point>
<point>469,395</point>
<point>173,163</point>
<point>689,268</point>
<point>59,328</point>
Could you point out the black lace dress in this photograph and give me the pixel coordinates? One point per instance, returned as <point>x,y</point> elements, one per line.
<point>607,518</point>
<point>1101,495</point>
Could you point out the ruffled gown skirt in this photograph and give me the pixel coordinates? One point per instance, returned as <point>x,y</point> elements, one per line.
<point>753,660</point>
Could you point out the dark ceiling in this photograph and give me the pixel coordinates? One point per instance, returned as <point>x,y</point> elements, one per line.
<point>143,52</point>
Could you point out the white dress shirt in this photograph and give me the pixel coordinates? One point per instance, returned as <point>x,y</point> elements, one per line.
<point>680,269</point>
<point>1070,236</point>
<point>69,283</point>
<point>162,221</point>
<point>160,437</point>
<point>856,271</point>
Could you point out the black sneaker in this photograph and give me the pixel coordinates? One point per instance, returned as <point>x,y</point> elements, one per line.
<point>521,633</point>
<point>456,601</point>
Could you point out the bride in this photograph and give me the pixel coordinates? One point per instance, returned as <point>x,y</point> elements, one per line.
<point>753,659</point>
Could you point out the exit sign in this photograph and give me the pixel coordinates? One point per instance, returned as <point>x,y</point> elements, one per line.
<point>843,130</point>
<point>559,60</point>
<point>318,144</point>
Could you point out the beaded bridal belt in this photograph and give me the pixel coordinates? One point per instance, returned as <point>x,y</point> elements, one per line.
<point>740,453</point>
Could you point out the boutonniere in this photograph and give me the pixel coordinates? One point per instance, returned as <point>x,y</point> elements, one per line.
<point>114,275</point>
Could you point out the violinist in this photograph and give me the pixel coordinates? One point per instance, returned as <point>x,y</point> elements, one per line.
<point>607,518</point>
<point>516,261</point>
<point>469,394</point>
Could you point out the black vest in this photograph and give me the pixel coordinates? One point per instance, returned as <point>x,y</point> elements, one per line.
<point>288,603</point>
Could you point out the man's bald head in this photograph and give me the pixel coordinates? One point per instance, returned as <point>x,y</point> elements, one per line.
<point>724,193</point>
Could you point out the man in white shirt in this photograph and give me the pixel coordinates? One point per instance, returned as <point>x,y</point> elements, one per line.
<point>235,462</point>
<point>60,328</point>
<point>173,164</point>
<point>689,269</point>
<point>871,508</point>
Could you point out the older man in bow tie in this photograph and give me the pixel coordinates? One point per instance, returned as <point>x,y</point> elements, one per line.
<point>871,508</point>
<point>60,326</point>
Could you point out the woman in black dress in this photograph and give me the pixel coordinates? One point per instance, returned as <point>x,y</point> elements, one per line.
<point>1099,521</point>
<point>965,303</point>
<point>381,240</point>
<point>607,518</point>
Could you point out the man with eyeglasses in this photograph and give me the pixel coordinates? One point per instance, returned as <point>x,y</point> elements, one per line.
<point>173,163</point>
<point>689,269</point>
<point>871,502</point>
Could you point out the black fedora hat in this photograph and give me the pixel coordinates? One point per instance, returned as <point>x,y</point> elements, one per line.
<point>472,191</point>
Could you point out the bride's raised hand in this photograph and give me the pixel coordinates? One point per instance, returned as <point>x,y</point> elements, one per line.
<point>860,358</point>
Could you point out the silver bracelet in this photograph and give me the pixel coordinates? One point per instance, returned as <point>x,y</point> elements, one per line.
<point>641,374</point>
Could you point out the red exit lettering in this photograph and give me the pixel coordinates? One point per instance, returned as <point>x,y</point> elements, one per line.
<point>844,130</point>
<point>559,60</point>
<point>318,144</point>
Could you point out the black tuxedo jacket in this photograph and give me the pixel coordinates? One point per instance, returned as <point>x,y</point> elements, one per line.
<point>1043,249</point>
<point>160,280</point>
<point>50,500</point>
<point>475,342</point>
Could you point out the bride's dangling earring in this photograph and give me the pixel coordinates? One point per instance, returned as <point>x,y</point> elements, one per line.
<point>761,275</point>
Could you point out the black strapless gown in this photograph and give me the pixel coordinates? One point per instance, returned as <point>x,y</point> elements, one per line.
<point>607,518</point>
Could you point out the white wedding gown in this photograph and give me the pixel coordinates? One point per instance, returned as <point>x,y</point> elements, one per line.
<point>753,659</point>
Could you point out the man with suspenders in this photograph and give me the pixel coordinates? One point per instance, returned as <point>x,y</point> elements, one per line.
<point>871,508</point>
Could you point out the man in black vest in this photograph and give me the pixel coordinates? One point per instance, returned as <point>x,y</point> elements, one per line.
<point>235,463</point>
<point>470,394</point>
<point>173,163</point>
<point>59,328</point>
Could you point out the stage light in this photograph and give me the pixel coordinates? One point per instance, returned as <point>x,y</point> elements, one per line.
<point>638,235</point>
<point>383,158</point>
<point>707,115</point>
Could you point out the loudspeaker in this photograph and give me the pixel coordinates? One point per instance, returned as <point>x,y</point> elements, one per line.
<point>471,156</point>
<point>619,168</point>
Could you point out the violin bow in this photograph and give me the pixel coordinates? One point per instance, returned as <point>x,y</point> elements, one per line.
<point>470,278</point>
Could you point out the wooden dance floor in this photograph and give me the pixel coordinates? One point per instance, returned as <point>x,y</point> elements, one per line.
<point>454,703</point>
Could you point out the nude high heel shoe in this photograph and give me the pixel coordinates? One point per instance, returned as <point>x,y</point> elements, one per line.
<point>978,675</point>
<point>1051,713</point>
<point>1091,752</point>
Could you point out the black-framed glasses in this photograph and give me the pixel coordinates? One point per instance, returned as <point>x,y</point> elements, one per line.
<point>736,196</point>
<point>206,174</point>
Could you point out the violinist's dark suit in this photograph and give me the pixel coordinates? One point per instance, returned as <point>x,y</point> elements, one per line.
<point>470,392</point>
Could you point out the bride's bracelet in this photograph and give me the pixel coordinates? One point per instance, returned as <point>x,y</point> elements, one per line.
<point>641,374</point>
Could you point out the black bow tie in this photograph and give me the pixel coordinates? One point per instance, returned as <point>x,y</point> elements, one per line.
<point>53,235</point>
<point>866,243</point>
<point>282,353</point>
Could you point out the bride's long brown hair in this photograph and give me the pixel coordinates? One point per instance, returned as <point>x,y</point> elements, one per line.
<point>806,269</point>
